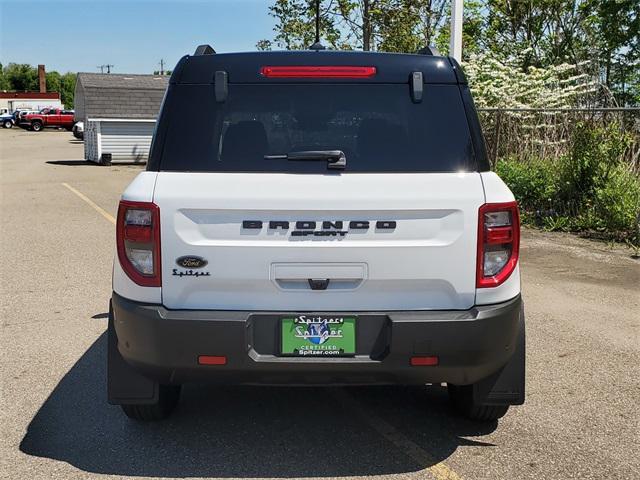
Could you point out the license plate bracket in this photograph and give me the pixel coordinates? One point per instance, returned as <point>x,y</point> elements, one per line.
<point>315,335</point>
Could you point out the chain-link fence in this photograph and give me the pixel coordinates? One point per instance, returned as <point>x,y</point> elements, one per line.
<point>536,133</point>
<point>561,177</point>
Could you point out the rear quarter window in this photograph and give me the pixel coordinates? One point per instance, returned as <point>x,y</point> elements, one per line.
<point>377,126</point>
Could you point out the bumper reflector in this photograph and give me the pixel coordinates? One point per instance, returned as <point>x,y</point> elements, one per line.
<point>424,361</point>
<point>212,360</point>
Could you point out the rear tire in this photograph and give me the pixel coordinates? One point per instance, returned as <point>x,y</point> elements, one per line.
<point>36,126</point>
<point>462,398</point>
<point>8,124</point>
<point>168,397</point>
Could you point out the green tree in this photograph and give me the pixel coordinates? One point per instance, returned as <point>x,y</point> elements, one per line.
<point>434,16</point>
<point>602,35</point>
<point>615,27</point>
<point>408,25</point>
<point>359,18</point>
<point>473,25</point>
<point>24,77</point>
<point>387,25</point>
<point>67,89</point>
<point>264,45</point>
<point>4,81</point>
<point>390,25</point>
<point>295,24</point>
<point>53,81</point>
<point>21,77</point>
<point>398,26</point>
<point>597,36</point>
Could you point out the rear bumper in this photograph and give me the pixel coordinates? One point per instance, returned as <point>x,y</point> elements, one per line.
<point>164,345</point>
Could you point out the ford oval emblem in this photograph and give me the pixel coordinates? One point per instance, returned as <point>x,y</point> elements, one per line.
<point>191,261</point>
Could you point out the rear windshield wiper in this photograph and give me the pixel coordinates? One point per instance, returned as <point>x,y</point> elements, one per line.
<point>334,158</point>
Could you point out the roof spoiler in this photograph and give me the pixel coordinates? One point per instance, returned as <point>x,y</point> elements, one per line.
<point>429,50</point>
<point>204,50</point>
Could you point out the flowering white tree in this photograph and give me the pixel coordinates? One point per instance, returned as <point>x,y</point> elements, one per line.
<point>528,122</point>
<point>503,84</point>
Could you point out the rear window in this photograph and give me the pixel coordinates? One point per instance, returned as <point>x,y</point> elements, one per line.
<point>377,126</point>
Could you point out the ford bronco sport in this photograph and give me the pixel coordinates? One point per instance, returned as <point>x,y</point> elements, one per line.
<point>329,219</point>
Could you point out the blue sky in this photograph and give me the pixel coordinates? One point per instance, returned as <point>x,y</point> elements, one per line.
<point>133,35</point>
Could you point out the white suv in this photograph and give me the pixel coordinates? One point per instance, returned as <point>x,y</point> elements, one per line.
<point>317,217</point>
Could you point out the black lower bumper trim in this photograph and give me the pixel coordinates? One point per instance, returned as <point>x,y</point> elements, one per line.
<point>164,345</point>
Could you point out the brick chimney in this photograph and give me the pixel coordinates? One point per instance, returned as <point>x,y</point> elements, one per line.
<point>42,79</point>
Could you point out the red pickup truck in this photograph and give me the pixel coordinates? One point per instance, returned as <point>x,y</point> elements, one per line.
<point>53,117</point>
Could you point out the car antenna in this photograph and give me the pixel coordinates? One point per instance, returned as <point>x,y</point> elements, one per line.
<point>317,45</point>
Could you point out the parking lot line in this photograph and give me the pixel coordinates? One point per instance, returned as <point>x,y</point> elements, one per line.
<point>438,470</point>
<point>99,209</point>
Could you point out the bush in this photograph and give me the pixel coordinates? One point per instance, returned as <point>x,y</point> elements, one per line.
<point>617,202</point>
<point>590,189</point>
<point>595,153</point>
<point>533,183</point>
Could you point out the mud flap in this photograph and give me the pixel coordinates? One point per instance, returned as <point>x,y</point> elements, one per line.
<point>124,384</point>
<point>505,387</point>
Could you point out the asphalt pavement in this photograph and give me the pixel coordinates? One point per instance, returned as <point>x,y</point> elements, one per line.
<point>580,419</point>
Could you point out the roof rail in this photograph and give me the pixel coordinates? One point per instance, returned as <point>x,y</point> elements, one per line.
<point>429,50</point>
<point>204,50</point>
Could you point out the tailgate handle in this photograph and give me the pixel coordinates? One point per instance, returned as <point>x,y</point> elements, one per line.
<point>333,276</point>
<point>318,284</point>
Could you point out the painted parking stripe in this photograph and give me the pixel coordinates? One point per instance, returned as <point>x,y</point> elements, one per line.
<point>438,470</point>
<point>97,208</point>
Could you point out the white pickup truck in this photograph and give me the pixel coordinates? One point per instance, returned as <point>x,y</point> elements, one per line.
<point>317,218</point>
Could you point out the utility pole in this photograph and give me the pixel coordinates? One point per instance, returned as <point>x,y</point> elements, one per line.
<point>455,42</point>
<point>317,45</point>
<point>366,27</point>
<point>317,21</point>
<point>161,66</point>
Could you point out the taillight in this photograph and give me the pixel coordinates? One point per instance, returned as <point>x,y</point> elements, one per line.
<point>498,243</point>
<point>138,241</point>
<point>320,71</point>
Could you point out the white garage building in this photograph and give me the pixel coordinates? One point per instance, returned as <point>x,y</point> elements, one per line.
<point>11,101</point>
<point>119,114</point>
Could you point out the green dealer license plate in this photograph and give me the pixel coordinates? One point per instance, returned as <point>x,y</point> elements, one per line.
<point>319,335</point>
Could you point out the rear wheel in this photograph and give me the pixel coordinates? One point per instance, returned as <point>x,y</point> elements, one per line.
<point>168,397</point>
<point>462,398</point>
<point>7,124</point>
<point>36,126</point>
